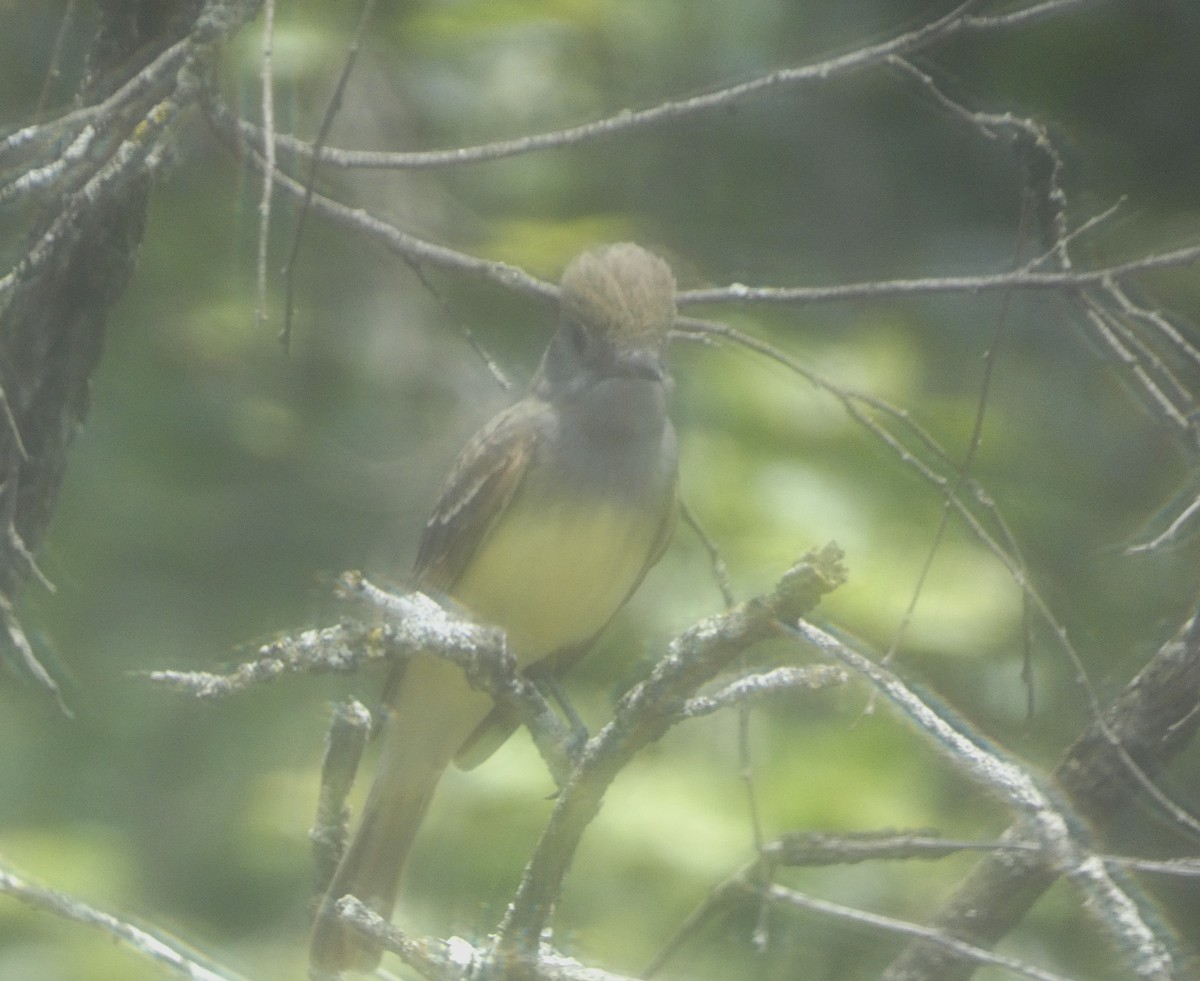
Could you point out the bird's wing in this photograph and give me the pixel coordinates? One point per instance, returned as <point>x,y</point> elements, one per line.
<point>480,485</point>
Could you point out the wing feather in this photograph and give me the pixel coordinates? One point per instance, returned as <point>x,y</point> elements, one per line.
<point>480,485</point>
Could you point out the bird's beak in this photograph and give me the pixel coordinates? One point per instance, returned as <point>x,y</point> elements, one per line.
<point>639,363</point>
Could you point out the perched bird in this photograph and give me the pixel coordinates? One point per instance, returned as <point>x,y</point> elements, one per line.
<point>548,521</point>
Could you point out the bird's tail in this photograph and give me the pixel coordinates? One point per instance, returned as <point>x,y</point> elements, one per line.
<point>433,711</point>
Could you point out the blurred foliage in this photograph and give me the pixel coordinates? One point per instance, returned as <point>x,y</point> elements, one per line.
<point>220,481</point>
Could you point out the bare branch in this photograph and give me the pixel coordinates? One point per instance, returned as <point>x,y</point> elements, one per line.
<point>94,151</point>
<point>343,647</point>
<point>719,568</point>
<point>933,285</point>
<point>1171,533</point>
<point>1039,155</point>
<point>335,102</point>
<point>433,959</point>
<point>456,958</point>
<point>348,733</point>
<point>54,66</point>
<point>1050,827</point>
<point>1002,777</point>
<point>415,250</point>
<point>145,943</point>
<point>19,642</point>
<point>267,84</point>
<point>408,247</point>
<point>627,120</point>
<point>1152,720</point>
<point>148,82</point>
<point>643,715</point>
<point>754,687</point>
<point>414,624</point>
<point>967,952</point>
<point>809,848</point>
<point>1028,15</point>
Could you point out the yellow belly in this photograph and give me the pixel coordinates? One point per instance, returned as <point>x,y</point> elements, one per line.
<point>552,577</point>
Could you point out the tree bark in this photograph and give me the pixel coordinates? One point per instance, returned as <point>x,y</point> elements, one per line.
<point>52,320</point>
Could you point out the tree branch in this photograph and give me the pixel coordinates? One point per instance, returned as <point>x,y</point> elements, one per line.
<point>627,120</point>
<point>54,303</point>
<point>1153,719</point>
<point>144,942</point>
<point>643,715</point>
<point>1043,820</point>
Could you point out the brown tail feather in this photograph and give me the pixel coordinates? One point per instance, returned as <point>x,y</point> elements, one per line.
<point>433,711</point>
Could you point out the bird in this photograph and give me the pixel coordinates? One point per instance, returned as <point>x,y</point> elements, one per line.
<point>546,524</point>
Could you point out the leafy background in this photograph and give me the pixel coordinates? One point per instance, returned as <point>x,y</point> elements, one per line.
<point>220,482</point>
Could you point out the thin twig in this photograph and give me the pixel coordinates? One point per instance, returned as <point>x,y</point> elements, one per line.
<point>414,249</point>
<point>1110,905</point>
<point>267,81</point>
<point>889,924</point>
<point>1172,531</point>
<point>963,475</point>
<point>14,430</point>
<point>1156,717</point>
<point>54,67</point>
<point>493,367</point>
<point>716,560</point>
<point>1133,355</point>
<point>331,110</point>
<point>1019,18</point>
<point>147,82</point>
<point>934,285</point>
<point>754,687</point>
<point>627,120</point>
<point>144,942</point>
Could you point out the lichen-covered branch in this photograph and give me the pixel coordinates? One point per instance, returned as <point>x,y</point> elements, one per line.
<point>144,942</point>
<point>642,716</point>
<point>1153,719</point>
<point>89,173</point>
